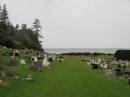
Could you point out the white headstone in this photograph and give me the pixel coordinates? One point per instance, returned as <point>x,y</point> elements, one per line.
<point>105,66</point>
<point>22,61</point>
<point>54,57</point>
<point>62,59</point>
<point>16,51</point>
<point>101,65</point>
<point>45,63</point>
<point>34,59</point>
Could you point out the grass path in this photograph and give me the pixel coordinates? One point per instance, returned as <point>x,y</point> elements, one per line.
<point>68,79</point>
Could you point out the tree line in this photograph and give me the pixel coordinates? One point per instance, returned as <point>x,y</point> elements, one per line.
<point>122,55</point>
<point>19,36</point>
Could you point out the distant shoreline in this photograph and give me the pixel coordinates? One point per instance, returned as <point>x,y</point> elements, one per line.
<point>83,50</point>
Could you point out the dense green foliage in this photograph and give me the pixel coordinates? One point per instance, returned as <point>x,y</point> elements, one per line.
<point>66,79</point>
<point>19,37</point>
<point>122,54</point>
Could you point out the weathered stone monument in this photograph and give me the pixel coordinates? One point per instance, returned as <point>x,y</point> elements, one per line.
<point>45,62</point>
<point>37,66</point>
<point>22,61</point>
<point>34,59</point>
<point>95,66</point>
<point>16,52</point>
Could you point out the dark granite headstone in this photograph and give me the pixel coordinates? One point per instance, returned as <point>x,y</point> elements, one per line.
<point>118,72</point>
<point>95,66</point>
<point>16,54</point>
<point>37,66</point>
<point>50,59</point>
<point>11,74</point>
<point>12,62</point>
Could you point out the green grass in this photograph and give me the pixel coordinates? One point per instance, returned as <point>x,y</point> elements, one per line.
<point>68,79</point>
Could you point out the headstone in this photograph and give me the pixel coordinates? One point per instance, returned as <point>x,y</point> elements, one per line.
<point>37,66</point>
<point>54,57</point>
<point>118,72</point>
<point>95,66</point>
<point>11,74</point>
<point>101,65</point>
<point>45,62</point>
<point>22,61</point>
<point>58,59</point>
<point>50,59</point>
<point>105,66</point>
<point>61,59</point>
<point>34,59</point>
<point>17,52</point>
<point>99,60</point>
<point>12,62</point>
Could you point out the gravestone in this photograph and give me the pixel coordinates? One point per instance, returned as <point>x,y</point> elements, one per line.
<point>50,59</point>
<point>17,52</point>
<point>11,74</point>
<point>54,57</point>
<point>45,62</point>
<point>105,66</point>
<point>12,62</point>
<point>99,60</point>
<point>118,72</point>
<point>61,59</point>
<point>22,61</point>
<point>34,59</point>
<point>95,66</point>
<point>37,66</point>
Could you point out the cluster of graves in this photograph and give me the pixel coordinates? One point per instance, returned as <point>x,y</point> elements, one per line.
<point>37,61</point>
<point>112,67</point>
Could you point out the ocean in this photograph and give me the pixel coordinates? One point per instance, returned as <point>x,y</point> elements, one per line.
<point>91,50</point>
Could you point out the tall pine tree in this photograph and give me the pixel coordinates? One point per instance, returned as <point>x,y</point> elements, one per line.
<point>4,15</point>
<point>37,28</point>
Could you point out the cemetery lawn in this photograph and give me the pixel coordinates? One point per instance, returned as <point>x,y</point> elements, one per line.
<point>71,78</point>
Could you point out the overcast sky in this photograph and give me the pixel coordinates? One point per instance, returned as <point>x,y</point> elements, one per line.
<point>76,23</point>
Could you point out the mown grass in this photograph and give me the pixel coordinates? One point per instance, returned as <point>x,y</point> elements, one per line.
<point>66,79</point>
